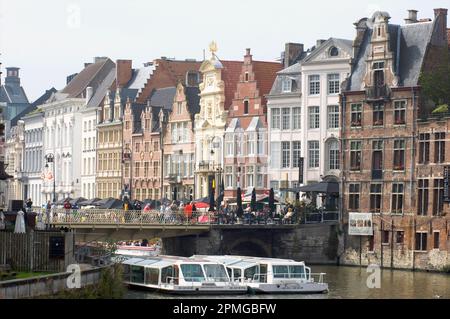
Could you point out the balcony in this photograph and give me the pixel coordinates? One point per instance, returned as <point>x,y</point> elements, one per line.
<point>206,167</point>
<point>378,93</point>
<point>174,179</point>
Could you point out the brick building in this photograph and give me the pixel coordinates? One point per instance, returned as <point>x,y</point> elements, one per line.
<point>382,138</point>
<point>246,146</point>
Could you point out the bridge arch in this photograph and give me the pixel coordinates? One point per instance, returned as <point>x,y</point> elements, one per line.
<point>249,247</point>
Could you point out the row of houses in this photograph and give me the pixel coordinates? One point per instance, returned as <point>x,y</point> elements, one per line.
<point>345,111</point>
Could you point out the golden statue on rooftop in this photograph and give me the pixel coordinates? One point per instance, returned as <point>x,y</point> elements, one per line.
<point>213,48</point>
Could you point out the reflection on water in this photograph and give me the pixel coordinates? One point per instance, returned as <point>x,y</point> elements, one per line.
<point>350,282</point>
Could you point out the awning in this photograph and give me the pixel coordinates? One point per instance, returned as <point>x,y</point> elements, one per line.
<point>322,187</point>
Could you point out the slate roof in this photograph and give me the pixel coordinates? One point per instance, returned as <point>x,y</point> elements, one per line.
<point>100,92</point>
<point>92,75</point>
<point>193,100</point>
<point>408,44</point>
<point>255,124</point>
<point>137,110</point>
<point>233,125</point>
<point>343,44</point>
<point>13,94</point>
<point>41,100</point>
<point>140,77</point>
<point>163,97</point>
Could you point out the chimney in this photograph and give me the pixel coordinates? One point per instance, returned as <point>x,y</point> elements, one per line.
<point>248,56</point>
<point>89,93</point>
<point>12,76</point>
<point>123,72</point>
<point>292,51</point>
<point>440,14</point>
<point>412,17</point>
<point>320,42</point>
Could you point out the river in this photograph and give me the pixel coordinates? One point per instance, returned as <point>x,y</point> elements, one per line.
<point>351,282</point>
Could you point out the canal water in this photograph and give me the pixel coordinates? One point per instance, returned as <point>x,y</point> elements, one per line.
<point>351,282</point>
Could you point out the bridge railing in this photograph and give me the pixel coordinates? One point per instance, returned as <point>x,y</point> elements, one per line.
<point>118,216</point>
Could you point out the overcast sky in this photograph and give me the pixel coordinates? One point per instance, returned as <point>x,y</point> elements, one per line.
<point>50,39</point>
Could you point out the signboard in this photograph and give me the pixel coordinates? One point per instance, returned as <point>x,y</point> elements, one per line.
<point>360,224</point>
<point>446,184</point>
<point>301,163</point>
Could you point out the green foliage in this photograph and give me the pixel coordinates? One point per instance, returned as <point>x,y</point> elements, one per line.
<point>441,109</point>
<point>435,82</point>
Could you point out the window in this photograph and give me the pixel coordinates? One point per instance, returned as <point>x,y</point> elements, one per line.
<point>385,237</point>
<point>421,241</point>
<point>229,142</point>
<point>399,155</point>
<point>439,147</point>
<point>399,237</point>
<point>333,155</point>
<point>251,141</point>
<point>423,197</point>
<point>275,151</point>
<point>436,240</point>
<point>399,112</point>
<point>276,119</point>
<point>353,200</point>
<point>137,147</point>
<point>259,177</point>
<point>250,176</point>
<point>397,198</point>
<point>377,159</point>
<point>356,115</point>
<point>286,118</point>
<point>136,169</point>
<point>371,244</point>
<point>378,65</point>
<point>246,77</point>
<point>146,167</point>
<point>313,153</point>
<point>314,117</point>
<point>245,107</point>
<point>333,116</point>
<point>179,107</point>
<point>147,147</point>
<point>296,118</point>
<point>438,197</point>
<point>155,169</point>
<point>378,114</point>
<point>334,52</point>
<point>424,148</point>
<point>375,198</point>
<point>229,177</point>
<point>314,84</point>
<point>192,78</point>
<point>286,154</point>
<point>333,83</point>
<point>296,151</point>
<point>286,85</point>
<point>155,146</point>
<point>260,142</point>
<point>355,155</point>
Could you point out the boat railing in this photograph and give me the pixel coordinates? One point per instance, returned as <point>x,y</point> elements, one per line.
<point>307,275</point>
<point>192,280</point>
<point>319,277</point>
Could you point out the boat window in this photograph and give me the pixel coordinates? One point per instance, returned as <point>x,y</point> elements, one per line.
<point>215,272</point>
<point>126,272</point>
<point>230,272</point>
<point>237,274</point>
<point>250,273</point>
<point>137,274</point>
<point>263,273</point>
<point>280,272</point>
<point>296,271</point>
<point>167,274</point>
<point>192,272</point>
<point>152,276</point>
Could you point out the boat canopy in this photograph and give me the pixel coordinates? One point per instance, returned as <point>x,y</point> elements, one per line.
<point>242,264</point>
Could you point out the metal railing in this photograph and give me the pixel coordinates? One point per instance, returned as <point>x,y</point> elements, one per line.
<point>321,217</point>
<point>310,277</point>
<point>120,217</point>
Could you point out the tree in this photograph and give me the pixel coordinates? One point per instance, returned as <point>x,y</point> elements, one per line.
<point>435,81</point>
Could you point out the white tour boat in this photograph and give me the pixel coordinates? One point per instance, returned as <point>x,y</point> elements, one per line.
<point>178,275</point>
<point>271,275</point>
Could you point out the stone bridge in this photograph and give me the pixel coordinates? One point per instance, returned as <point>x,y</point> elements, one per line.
<point>200,234</point>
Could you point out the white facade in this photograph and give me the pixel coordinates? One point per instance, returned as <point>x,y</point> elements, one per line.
<point>304,116</point>
<point>62,127</point>
<point>88,152</point>
<point>323,72</point>
<point>14,147</point>
<point>33,158</point>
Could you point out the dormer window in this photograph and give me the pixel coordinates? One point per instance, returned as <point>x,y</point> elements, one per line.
<point>287,85</point>
<point>334,52</point>
<point>192,78</point>
<point>378,65</point>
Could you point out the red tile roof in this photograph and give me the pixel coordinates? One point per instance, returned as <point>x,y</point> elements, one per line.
<point>230,75</point>
<point>265,74</point>
<point>167,74</point>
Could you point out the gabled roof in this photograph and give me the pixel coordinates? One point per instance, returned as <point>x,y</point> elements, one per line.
<point>14,94</point>
<point>100,92</point>
<point>141,77</point>
<point>408,44</point>
<point>193,100</point>
<point>255,125</point>
<point>234,124</point>
<point>343,44</point>
<point>41,100</point>
<point>265,74</point>
<point>136,110</point>
<point>92,75</point>
<point>163,97</point>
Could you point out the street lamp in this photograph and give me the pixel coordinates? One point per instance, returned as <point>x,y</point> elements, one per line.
<point>128,156</point>
<point>51,159</point>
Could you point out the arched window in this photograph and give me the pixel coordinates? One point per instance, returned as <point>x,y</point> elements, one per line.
<point>333,154</point>
<point>334,52</point>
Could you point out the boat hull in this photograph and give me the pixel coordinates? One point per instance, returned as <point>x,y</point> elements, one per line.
<point>201,291</point>
<point>289,288</point>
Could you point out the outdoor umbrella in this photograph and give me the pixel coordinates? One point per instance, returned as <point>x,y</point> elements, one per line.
<point>272,200</point>
<point>239,210</point>
<point>202,200</point>
<point>322,187</point>
<point>77,201</point>
<point>113,204</point>
<point>62,201</point>
<point>253,201</point>
<point>103,202</point>
<point>90,202</point>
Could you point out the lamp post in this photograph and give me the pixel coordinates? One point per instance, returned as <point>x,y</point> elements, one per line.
<point>51,159</point>
<point>128,156</point>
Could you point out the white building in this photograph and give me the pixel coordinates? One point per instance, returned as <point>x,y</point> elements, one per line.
<point>33,158</point>
<point>14,148</point>
<point>303,115</point>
